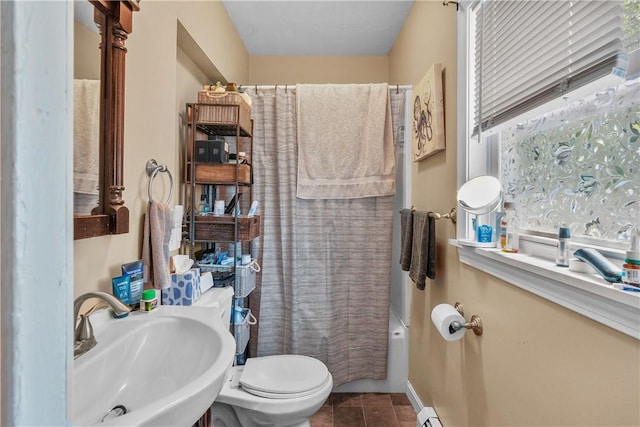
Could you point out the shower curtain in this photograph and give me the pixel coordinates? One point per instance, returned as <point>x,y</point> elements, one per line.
<point>326,264</point>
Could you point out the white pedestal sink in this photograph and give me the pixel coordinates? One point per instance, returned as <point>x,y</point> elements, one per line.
<point>165,367</point>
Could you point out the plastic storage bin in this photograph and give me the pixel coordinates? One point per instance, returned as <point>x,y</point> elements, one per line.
<point>241,331</point>
<point>245,279</point>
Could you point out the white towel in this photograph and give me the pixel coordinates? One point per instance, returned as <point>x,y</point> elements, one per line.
<point>86,130</point>
<point>176,227</point>
<point>345,141</point>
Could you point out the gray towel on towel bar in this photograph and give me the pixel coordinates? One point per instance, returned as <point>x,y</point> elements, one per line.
<point>406,238</point>
<point>423,251</point>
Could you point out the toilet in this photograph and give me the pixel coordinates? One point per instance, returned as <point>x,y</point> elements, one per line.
<point>270,391</point>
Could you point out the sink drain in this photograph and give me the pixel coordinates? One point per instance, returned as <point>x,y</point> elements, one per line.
<point>114,412</point>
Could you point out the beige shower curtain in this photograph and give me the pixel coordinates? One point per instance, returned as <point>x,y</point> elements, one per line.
<point>326,264</point>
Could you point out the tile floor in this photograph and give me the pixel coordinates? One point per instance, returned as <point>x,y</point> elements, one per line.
<point>365,410</point>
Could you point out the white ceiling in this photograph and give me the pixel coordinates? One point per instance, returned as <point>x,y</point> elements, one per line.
<point>318,27</point>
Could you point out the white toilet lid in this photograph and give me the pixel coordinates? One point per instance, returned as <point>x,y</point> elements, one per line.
<point>285,375</point>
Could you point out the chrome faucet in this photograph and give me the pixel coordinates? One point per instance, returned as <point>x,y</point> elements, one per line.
<point>84,337</point>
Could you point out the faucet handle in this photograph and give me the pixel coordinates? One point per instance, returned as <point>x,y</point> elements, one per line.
<point>84,338</point>
<point>84,330</point>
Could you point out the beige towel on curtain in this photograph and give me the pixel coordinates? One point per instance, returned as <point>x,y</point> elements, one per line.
<point>155,245</point>
<point>86,127</point>
<point>345,141</point>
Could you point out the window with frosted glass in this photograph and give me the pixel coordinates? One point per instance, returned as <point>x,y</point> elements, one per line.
<point>578,166</point>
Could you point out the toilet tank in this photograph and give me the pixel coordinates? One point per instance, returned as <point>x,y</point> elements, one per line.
<point>218,297</point>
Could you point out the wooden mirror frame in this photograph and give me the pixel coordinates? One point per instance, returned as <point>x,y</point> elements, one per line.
<point>111,216</point>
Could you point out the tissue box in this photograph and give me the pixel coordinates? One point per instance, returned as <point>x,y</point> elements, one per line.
<point>184,290</point>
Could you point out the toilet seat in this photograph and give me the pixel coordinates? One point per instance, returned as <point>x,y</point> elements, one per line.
<point>283,376</point>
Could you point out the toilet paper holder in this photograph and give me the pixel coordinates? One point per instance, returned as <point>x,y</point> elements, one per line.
<point>475,324</point>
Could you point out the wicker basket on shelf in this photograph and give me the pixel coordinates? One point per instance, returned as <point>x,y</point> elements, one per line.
<point>224,108</point>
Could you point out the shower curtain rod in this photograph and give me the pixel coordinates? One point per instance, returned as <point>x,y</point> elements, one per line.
<point>293,86</point>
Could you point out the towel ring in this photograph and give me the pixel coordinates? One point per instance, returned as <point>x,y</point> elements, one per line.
<point>152,170</point>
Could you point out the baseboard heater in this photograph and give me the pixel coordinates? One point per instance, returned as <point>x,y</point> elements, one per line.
<point>428,418</point>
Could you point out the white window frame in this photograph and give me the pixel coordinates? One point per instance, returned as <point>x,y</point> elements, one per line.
<point>533,268</point>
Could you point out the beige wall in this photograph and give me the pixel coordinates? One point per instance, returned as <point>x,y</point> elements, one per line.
<point>154,107</point>
<point>86,55</point>
<point>269,70</point>
<point>537,364</point>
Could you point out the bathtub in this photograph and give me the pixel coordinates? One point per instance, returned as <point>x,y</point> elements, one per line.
<point>397,364</point>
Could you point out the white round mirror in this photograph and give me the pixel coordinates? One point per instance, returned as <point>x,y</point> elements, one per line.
<point>480,195</point>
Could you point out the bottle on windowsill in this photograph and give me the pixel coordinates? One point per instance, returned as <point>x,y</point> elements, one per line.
<point>631,266</point>
<point>562,256</point>
<point>509,238</point>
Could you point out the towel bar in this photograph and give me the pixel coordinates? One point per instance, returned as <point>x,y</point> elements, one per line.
<point>452,215</point>
<point>152,170</point>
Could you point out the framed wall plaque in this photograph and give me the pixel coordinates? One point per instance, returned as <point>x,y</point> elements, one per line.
<point>427,122</point>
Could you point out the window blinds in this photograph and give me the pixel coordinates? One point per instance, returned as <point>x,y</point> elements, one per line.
<point>528,52</point>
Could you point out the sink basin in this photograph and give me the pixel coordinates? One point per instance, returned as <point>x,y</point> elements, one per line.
<point>165,367</point>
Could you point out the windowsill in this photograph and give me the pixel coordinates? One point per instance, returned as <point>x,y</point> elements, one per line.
<point>587,294</point>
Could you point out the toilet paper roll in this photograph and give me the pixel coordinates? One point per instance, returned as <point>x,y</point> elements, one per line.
<point>442,316</point>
